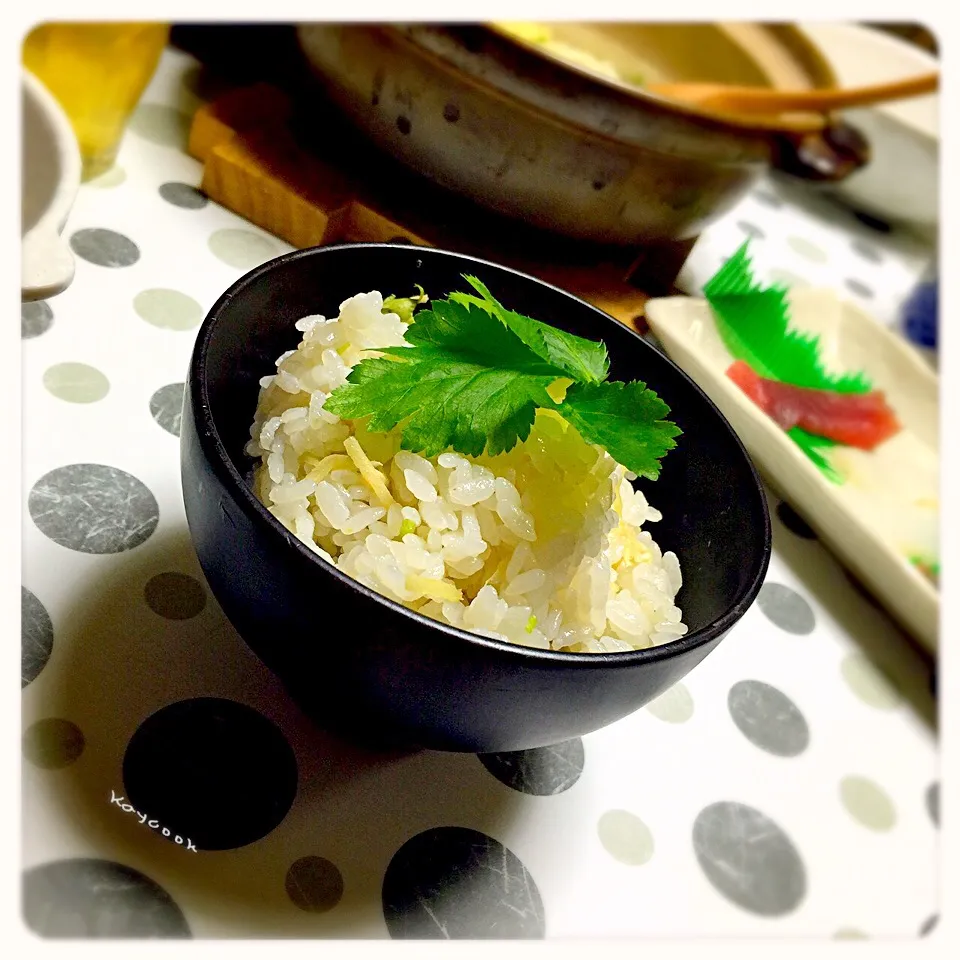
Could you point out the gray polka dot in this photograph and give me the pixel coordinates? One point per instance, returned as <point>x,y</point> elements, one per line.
<point>810,251</point>
<point>673,706</point>
<point>868,803</point>
<point>168,309</point>
<point>225,752</point>
<point>36,318</point>
<point>105,248</point>
<point>749,859</point>
<point>93,508</point>
<point>794,522</point>
<point>768,199</point>
<point>865,250</point>
<point>929,925</point>
<point>625,837</point>
<point>36,637</point>
<point>869,683</point>
<point>786,278</point>
<point>166,407</point>
<point>98,898</point>
<point>175,596</point>
<point>860,289</point>
<point>76,382</point>
<point>314,884</point>
<point>183,195</point>
<point>751,229</point>
<point>542,772</point>
<point>786,608</point>
<point>160,124</point>
<point>933,803</point>
<point>453,883</point>
<point>52,743</point>
<point>242,249</point>
<point>768,718</point>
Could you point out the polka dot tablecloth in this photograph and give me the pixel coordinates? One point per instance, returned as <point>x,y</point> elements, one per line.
<point>787,787</point>
<point>801,238</point>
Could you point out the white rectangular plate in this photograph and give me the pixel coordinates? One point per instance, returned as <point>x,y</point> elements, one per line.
<point>888,508</point>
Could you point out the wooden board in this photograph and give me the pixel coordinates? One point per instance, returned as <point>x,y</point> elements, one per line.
<point>257,167</point>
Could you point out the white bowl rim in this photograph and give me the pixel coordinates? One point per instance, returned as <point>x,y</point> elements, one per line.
<point>46,231</point>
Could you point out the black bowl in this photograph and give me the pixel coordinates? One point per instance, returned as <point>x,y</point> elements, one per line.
<point>367,667</point>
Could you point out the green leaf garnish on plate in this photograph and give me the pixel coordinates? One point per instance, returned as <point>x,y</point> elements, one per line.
<point>816,447</point>
<point>928,566</point>
<point>754,323</point>
<point>475,374</point>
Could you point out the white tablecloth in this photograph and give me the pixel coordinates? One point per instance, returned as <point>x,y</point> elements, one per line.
<point>787,787</point>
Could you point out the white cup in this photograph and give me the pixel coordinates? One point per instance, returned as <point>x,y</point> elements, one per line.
<point>50,177</point>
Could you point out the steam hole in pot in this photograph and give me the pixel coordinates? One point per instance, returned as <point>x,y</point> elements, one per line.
<point>378,79</point>
<point>451,113</point>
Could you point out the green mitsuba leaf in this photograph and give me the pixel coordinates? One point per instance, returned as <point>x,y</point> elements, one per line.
<point>465,382</point>
<point>475,373</point>
<point>626,419</point>
<point>579,359</point>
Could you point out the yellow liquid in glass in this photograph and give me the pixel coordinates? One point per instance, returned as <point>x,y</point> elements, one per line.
<point>98,72</point>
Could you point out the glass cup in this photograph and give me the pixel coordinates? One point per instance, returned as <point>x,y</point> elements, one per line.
<point>98,72</point>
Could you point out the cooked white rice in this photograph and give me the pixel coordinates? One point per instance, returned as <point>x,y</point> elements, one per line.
<point>540,546</point>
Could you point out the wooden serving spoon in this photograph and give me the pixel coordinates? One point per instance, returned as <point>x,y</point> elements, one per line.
<point>768,101</point>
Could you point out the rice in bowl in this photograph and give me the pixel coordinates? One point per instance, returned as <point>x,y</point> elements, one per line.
<point>542,546</point>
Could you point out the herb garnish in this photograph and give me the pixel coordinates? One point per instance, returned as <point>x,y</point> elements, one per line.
<point>475,374</point>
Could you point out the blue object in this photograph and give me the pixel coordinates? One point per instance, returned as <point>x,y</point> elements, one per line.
<point>920,314</point>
